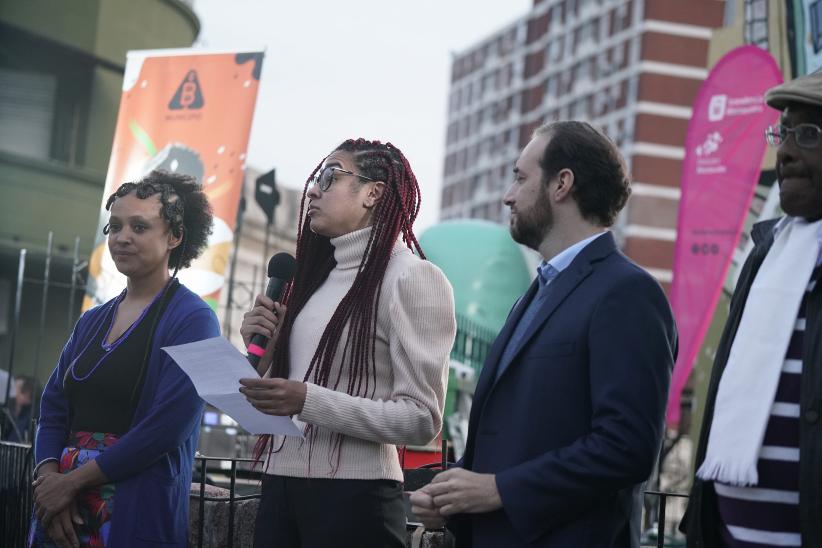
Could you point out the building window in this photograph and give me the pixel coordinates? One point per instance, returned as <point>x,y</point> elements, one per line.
<point>509,41</point>
<point>564,84</point>
<point>619,57</point>
<point>603,66</point>
<point>462,160</point>
<point>587,32</point>
<point>474,126</point>
<point>44,98</point>
<point>622,17</point>
<point>450,164</point>
<point>815,14</point>
<point>756,22</point>
<point>27,101</point>
<point>580,109</point>
<point>621,90</point>
<point>451,134</point>
<point>600,104</point>
<point>551,87</point>
<point>585,70</point>
<point>555,50</point>
<point>446,196</point>
<point>487,82</point>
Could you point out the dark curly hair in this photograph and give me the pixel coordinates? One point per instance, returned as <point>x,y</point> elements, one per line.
<point>189,216</point>
<point>601,183</point>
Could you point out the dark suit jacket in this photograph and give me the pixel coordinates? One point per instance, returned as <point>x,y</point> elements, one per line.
<point>573,426</point>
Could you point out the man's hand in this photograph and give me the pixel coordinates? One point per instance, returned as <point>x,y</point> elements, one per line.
<point>280,397</point>
<point>458,491</point>
<point>422,504</point>
<point>61,529</point>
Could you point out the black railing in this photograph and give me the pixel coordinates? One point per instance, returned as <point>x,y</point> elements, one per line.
<point>240,485</point>
<point>471,343</point>
<point>15,493</point>
<point>659,536</point>
<point>206,476</point>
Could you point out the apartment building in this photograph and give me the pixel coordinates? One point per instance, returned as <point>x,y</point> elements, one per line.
<point>631,67</point>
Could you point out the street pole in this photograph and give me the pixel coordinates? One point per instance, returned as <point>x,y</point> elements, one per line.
<point>238,229</point>
<point>18,300</point>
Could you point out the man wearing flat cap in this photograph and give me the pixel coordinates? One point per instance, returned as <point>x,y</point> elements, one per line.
<point>759,457</point>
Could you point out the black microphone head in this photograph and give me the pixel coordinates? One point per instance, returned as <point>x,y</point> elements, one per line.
<point>282,266</point>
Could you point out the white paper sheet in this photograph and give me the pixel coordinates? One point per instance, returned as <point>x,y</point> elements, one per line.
<point>215,368</point>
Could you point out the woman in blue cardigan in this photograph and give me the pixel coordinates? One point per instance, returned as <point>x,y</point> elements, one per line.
<point>119,421</point>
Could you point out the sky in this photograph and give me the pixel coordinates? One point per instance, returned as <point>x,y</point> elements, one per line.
<point>360,68</point>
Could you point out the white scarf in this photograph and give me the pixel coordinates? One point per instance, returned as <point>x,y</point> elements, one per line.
<point>748,385</point>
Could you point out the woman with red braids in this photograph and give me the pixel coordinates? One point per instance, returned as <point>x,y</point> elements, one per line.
<point>358,354</point>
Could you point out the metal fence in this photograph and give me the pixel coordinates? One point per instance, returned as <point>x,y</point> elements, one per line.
<point>472,343</point>
<point>15,493</point>
<point>208,474</point>
<point>220,519</point>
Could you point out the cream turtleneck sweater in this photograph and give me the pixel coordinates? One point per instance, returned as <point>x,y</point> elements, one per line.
<point>414,335</point>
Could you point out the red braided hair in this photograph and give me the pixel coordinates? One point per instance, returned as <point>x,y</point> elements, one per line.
<point>393,215</point>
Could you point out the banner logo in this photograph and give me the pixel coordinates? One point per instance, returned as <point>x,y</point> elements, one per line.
<point>189,95</point>
<point>710,145</point>
<point>716,108</point>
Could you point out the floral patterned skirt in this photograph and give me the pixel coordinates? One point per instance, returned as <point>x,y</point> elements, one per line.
<point>94,505</point>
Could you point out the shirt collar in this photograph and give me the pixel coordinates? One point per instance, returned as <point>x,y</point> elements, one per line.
<point>548,270</point>
<point>784,221</point>
<point>780,226</point>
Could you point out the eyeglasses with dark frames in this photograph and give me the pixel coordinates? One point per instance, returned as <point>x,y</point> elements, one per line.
<point>805,135</point>
<point>324,179</point>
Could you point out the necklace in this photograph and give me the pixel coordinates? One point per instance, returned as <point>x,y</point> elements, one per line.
<point>108,348</point>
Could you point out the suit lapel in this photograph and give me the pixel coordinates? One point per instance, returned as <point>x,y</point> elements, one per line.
<point>558,291</point>
<point>492,362</point>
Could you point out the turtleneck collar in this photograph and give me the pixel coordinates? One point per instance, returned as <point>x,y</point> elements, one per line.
<point>349,248</point>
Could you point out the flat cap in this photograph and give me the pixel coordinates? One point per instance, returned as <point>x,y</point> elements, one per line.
<point>805,89</point>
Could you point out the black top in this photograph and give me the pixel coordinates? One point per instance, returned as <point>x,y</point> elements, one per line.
<point>104,385</point>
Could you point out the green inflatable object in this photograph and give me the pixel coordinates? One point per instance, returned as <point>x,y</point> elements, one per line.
<point>486,267</point>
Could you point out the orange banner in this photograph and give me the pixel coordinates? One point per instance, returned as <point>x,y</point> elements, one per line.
<point>187,112</point>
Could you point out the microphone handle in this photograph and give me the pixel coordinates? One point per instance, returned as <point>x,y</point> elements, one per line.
<point>256,347</point>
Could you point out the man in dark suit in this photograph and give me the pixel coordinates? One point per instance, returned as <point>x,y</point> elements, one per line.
<point>567,417</point>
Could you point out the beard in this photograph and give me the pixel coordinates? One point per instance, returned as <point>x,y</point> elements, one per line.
<point>530,226</point>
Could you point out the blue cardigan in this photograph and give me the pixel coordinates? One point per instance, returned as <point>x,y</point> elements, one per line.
<point>151,464</point>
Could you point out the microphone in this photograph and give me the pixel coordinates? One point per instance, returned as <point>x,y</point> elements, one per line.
<point>281,269</point>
